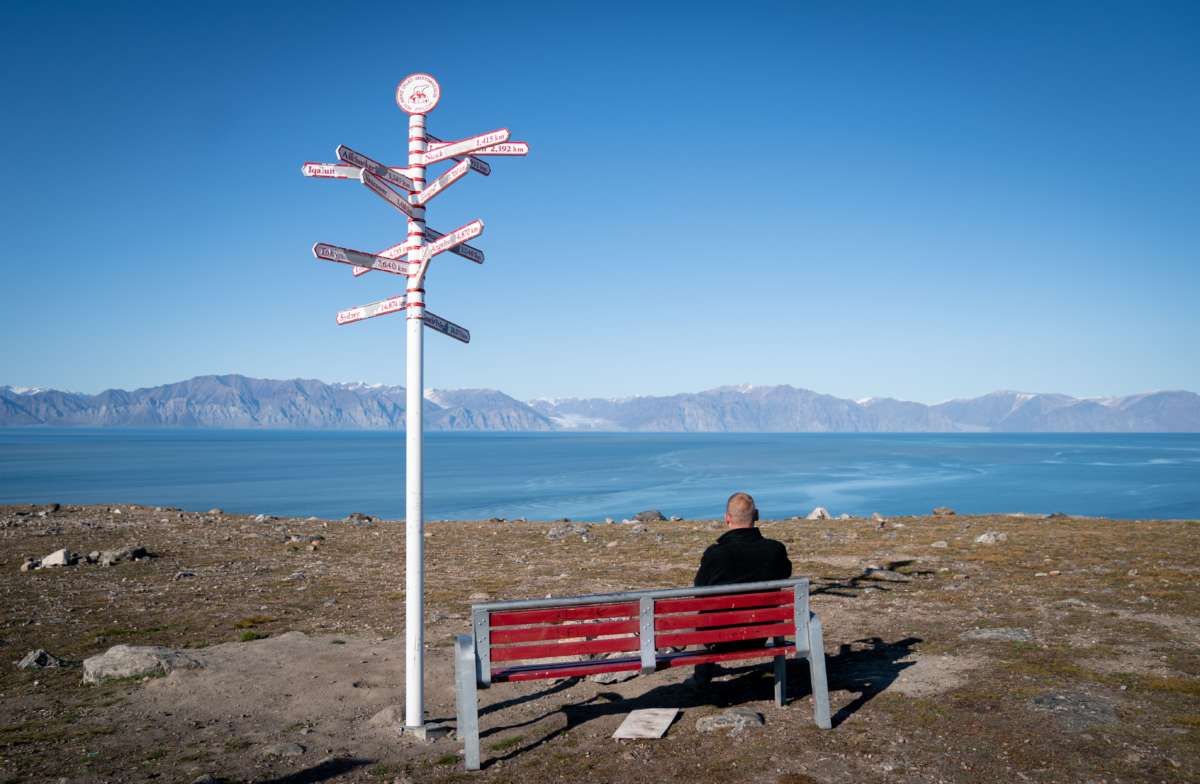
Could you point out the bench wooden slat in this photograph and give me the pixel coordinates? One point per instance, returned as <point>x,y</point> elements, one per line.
<point>723,635</point>
<point>725,602</point>
<point>703,620</point>
<point>536,633</point>
<point>554,650</point>
<point>586,612</point>
<point>535,672</point>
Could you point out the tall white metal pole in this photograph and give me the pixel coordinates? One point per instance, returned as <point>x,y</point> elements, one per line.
<point>414,528</point>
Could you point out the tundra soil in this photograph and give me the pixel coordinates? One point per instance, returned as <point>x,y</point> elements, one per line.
<point>1067,652</point>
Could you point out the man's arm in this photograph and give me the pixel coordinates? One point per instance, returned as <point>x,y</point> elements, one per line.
<point>704,575</point>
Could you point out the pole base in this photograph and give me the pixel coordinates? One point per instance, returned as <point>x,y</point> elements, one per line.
<point>428,732</point>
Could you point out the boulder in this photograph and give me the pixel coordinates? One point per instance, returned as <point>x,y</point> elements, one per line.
<point>264,518</point>
<point>40,660</point>
<point>131,553</point>
<point>560,532</point>
<point>735,720</point>
<point>132,661</point>
<point>943,511</point>
<point>675,519</point>
<point>844,516</point>
<point>281,750</point>
<point>820,513</point>
<point>650,516</point>
<point>63,557</point>
<point>216,511</point>
<point>359,517</point>
<point>991,537</point>
<point>878,518</point>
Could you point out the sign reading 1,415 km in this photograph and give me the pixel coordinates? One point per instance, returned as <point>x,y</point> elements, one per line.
<point>409,190</point>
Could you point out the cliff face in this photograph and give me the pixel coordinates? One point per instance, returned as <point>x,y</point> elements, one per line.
<point>240,402</point>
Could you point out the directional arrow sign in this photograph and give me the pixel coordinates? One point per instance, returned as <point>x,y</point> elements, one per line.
<point>334,171</point>
<point>468,252</point>
<point>451,175</point>
<point>394,252</point>
<point>358,258</point>
<point>483,167</point>
<point>446,327</point>
<point>389,195</point>
<point>464,146</point>
<point>456,237</point>
<point>509,148</point>
<point>381,308</point>
<point>344,153</point>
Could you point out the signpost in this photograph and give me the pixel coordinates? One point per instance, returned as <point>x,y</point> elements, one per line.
<point>417,95</point>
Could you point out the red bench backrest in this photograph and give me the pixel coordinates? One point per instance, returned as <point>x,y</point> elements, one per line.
<point>558,634</point>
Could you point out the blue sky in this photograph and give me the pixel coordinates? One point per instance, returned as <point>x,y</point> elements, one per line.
<point>919,200</point>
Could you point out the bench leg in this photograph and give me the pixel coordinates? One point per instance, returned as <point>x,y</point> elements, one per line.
<point>467,699</point>
<point>816,672</point>
<point>780,676</point>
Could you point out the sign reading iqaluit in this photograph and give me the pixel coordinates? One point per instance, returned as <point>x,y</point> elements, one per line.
<point>418,93</point>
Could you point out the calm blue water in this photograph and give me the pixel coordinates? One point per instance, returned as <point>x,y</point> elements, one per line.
<point>591,476</point>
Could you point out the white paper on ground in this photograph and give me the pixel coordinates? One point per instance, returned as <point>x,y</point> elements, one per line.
<point>646,723</point>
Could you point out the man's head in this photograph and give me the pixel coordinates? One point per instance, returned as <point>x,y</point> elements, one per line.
<point>740,511</point>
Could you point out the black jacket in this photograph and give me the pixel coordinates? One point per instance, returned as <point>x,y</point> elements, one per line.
<point>743,555</point>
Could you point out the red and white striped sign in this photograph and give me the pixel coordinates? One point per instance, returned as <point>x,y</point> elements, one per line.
<point>389,195</point>
<point>482,167</point>
<point>463,146</point>
<point>394,252</point>
<point>358,258</point>
<point>381,308</point>
<point>450,176</point>
<point>454,238</point>
<point>446,327</point>
<point>509,148</point>
<point>468,252</point>
<point>353,158</point>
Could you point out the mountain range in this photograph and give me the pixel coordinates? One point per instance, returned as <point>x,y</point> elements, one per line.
<point>234,401</point>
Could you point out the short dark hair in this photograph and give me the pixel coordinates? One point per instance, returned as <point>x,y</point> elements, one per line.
<point>740,508</point>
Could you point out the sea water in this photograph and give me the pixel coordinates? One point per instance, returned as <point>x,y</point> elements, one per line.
<point>591,476</point>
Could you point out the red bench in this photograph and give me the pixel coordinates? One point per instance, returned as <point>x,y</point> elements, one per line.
<point>540,639</point>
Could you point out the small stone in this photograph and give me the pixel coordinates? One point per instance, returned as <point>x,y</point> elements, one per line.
<point>40,660</point>
<point>943,511</point>
<point>1054,573</point>
<point>844,516</point>
<point>30,564</point>
<point>216,511</point>
<point>1132,573</point>
<point>735,720</point>
<point>281,750</point>
<point>115,511</point>
<point>93,557</point>
<point>940,544</point>
<point>206,778</point>
<point>359,517</point>
<point>313,547</point>
<point>878,518</point>
<point>479,596</point>
<point>611,544</point>
<point>1040,574</point>
<point>887,576</point>
<point>819,513</point>
<point>63,557</point>
<point>183,575</point>
<point>650,516</point>
<point>675,519</point>
<point>991,537</point>
<point>264,518</point>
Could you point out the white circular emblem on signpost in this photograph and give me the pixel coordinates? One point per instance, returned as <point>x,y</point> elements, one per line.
<point>418,93</point>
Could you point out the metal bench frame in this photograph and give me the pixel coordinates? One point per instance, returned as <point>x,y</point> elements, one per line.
<point>472,652</point>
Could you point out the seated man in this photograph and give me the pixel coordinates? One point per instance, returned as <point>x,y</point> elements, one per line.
<point>741,555</point>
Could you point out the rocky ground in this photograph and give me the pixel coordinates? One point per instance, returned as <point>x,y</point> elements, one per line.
<point>960,649</point>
